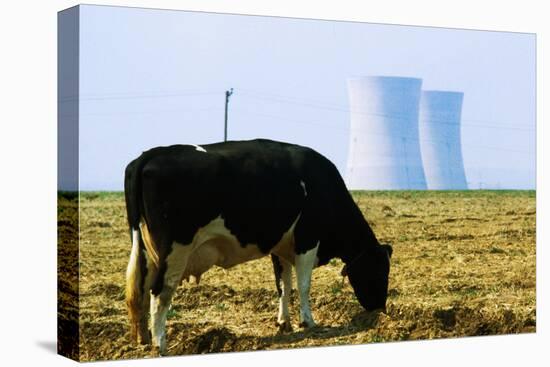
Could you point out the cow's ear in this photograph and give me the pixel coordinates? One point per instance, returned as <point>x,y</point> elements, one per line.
<point>388,248</point>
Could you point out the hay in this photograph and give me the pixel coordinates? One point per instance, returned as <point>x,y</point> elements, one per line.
<point>463,264</point>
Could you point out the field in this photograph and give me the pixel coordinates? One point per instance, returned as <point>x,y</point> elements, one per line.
<point>463,264</point>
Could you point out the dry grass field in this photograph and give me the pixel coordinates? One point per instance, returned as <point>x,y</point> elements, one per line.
<point>463,264</point>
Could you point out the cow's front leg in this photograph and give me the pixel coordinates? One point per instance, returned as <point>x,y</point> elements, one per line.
<point>283,280</point>
<point>170,273</point>
<point>304,266</point>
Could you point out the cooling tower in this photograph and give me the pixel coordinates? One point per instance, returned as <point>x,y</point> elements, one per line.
<point>439,127</point>
<point>384,150</point>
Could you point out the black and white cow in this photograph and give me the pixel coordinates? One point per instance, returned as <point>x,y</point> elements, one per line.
<point>192,207</point>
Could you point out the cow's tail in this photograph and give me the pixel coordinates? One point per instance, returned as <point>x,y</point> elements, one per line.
<point>132,192</point>
<point>136,296</point>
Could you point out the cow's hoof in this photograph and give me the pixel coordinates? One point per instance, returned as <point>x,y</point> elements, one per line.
<point>284,327</point>
<point>144,338</point>
<point>156,351</point>
<point>307,324</point>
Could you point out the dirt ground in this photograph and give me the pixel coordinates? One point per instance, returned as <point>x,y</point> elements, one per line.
<point>463,264</point>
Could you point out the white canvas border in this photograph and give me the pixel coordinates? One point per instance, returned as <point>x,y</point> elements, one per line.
<point>28,115</point>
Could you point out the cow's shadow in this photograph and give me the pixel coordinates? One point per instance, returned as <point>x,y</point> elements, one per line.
<point>221,339</point>
<point>361,321</point>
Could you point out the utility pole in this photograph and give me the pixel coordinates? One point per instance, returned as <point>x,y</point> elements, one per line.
<point>228,94</point>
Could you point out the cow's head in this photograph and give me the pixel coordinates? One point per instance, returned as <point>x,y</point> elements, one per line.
<point>368,275</point>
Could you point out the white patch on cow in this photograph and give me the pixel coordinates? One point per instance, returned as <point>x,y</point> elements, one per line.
<point>304,187</point>
<point>304,265</point>
<point>133,270</point>
<point>176,262</point>
<point>212,245</point>
<point>283,319</point>
<point>199,148</point>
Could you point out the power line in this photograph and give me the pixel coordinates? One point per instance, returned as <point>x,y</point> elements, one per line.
<point>129,113</point>
<point>370,132</point>
<point>121,96</point>
<point>340,108</point>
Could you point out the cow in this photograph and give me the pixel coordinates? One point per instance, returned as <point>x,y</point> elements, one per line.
<point>191,207</point>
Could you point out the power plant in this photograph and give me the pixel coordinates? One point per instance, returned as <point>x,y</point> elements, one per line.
<point>384,149</point>
<point>439,127</point>
<point>403,138</point>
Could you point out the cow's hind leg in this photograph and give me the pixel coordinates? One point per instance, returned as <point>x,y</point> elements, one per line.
<point>139,274</point>
<point>283,281</point>
<point>170,273</point>
<point>304,266</point>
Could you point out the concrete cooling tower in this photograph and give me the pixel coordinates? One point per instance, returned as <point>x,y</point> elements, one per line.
<point>439,127</point>
<point>384,150</point>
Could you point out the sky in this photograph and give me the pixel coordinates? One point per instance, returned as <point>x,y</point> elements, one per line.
<point>156,77</point>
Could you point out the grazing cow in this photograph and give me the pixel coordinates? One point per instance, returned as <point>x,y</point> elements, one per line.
<point>192,207</point>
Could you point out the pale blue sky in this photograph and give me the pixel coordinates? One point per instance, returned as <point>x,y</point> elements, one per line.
<point>152,77</point>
